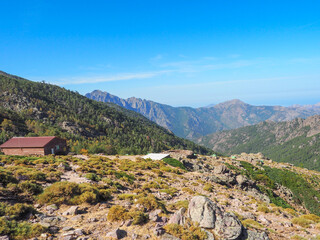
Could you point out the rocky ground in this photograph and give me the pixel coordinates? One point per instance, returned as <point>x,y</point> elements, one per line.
<point>207,197</point>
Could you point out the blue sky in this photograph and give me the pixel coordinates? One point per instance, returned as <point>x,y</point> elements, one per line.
<point>182,53</point>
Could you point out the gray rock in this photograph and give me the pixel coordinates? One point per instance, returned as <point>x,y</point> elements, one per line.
<point>53,229</point>
<point>228,226</point>
<point>51,208</point>
<point>134,236</point>
<point>167,236</point>
<point>118,234</point>
<point>203,211</point>
<point>67,229</point>
<point>158,231</point>
<point>249,215</point>
<point>73,210</point>
<point>178,217</point>
<point>154,215</point>
<point>253,235</point>
<point>4,238</point>
<point>221,169</point>
<point>49,221</point>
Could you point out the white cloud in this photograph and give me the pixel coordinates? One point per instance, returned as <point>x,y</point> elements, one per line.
<point>117,77</point>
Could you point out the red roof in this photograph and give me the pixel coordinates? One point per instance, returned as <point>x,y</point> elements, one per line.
<point>27,142</point>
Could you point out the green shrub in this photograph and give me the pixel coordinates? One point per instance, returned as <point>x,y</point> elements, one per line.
<point>72,193</point>
<point>208,187</point>
<point>20,230</point>
<point>127,196</point>
<point>179,204</point>
<point>250,223</point>
<point>303,222</point>
<point>30,187</point>
<point>17,211</point>
<point>138,217</point>
<point>92,177</point>
<point>186,232</point>
<point>6,177</point>
<point>263,208</point>
<point>117,213</point>
<point>174,163</point>
<point>188,190</point>
<point>150,202</point>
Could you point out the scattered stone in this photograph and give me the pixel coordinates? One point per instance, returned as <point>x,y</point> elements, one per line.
<point>4,237</point>
<point>167,236</point>
<point>146,236</point>
<point>203,210</point>
<point>73,210</point>
<point>77,218</point>
<point>220,169</point>
<point>91,220</point>
<point>253,235</point>
<point>263,220</point>
<point>249,215</point>
<point>229,226</point>
<point>178,217</point>
<point>154,215</point>
<point>51,208</point>
<point>53,229</point>
<point>134,236</point>
<point>67,229</point>
<point>118,234</point>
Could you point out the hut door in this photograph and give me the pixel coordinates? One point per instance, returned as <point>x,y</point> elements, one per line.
<point>52,150</point>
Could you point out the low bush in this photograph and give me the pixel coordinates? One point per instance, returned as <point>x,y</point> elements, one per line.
<point>186,232</point>
<point>150,202</point>
<point>174,163</point>
<point>263,208</point>
<point>138,217</point>
<point>72,193</point>
<point>117,213</point>
<point>30,187</point>
<point>179,204</point>
<point>6,177</point>
<point>208,187</point>
<point>92,177</point>
<point>250,223</point>
<point>120,213</point>
<point>17,211</point>
<point>188,190</point>
<point>303,222</point>
<point>20,230</point>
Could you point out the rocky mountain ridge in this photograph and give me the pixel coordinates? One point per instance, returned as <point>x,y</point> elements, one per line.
<point>294,141</point>
<point>192,123</point>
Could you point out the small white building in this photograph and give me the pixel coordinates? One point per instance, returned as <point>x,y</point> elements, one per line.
<point>156,156</point>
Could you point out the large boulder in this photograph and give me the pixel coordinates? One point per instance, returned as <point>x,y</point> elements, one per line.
<point>228,226</point>
<point>203,211</point>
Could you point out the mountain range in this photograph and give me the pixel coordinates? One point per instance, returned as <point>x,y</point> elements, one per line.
<point>36,108</point>
<point>296,141</point>
<point>192,123</point>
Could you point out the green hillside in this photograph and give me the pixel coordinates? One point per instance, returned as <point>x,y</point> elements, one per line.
<point>37,109</point>
<point>296,141</point>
